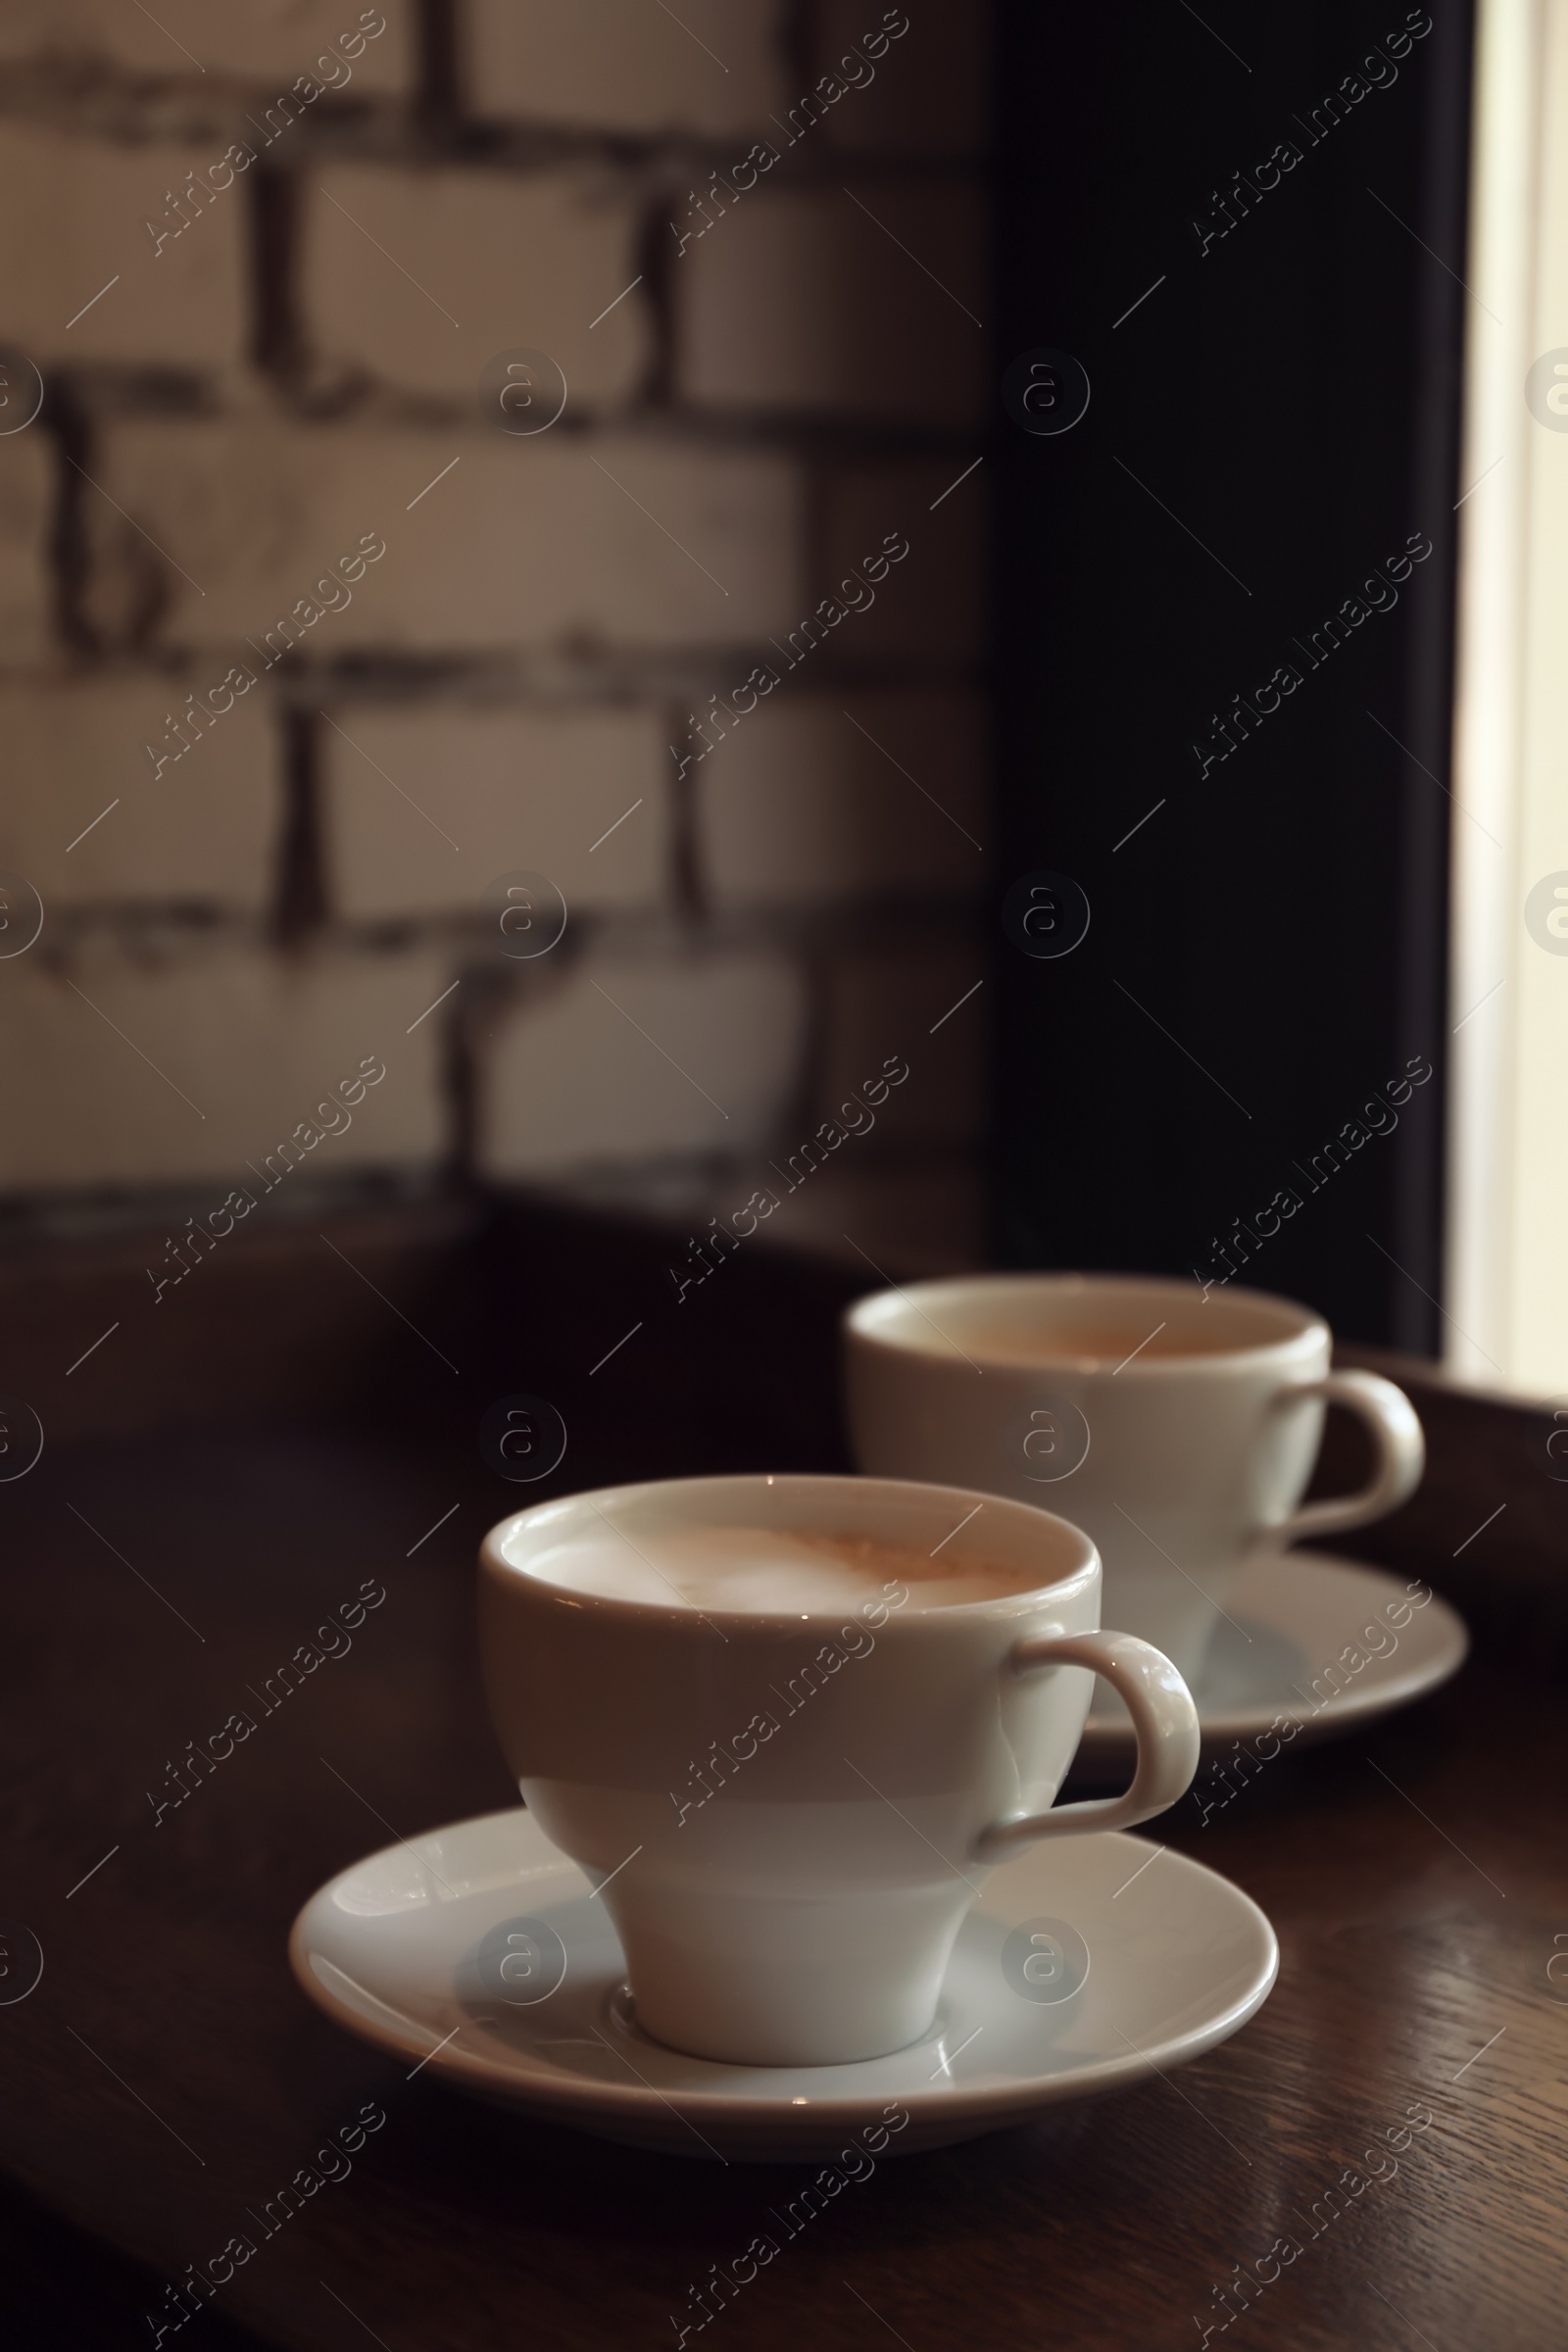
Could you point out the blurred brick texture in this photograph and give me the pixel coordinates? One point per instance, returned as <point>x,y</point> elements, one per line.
<point>261,254</point>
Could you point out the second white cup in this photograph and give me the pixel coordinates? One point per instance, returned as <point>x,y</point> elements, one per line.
<point>1179,1431</point>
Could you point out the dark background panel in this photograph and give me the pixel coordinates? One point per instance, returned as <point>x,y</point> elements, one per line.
<point>1272,423</point>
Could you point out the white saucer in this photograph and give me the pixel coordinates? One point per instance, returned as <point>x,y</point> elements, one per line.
<point>1136,1965</point>
<point>1295,1614</point>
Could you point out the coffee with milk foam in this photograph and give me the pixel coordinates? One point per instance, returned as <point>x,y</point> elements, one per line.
<point>767,1572</point>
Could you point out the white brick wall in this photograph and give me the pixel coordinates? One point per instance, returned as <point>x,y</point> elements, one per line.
<point>808,300</point>
<point>861,795</point>
<point>28,475</point>
<point>471,263</point>
<point>290,385</point>
<point>710,67</point>
<point>203,830</point>
<point>512,790</point>
<point>617,1060</point>
<point>528,541</point>
<point>273,41</point>
<point>193,1065</point>
<point>181,302</point>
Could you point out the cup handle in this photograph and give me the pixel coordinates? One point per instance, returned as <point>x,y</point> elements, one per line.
<point>1402,1453</point>
<point>1165,1719</point>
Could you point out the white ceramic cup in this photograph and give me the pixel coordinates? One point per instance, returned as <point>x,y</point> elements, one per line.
<point>790,1896</point>
<point>1178,1430</point>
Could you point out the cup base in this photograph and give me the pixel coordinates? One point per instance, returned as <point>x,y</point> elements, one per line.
<point>626,2016</point>
<point>776,1983</point>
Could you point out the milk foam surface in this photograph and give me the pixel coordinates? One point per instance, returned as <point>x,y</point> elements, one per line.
<point>1085,1342</point>
<point>763,1571</point>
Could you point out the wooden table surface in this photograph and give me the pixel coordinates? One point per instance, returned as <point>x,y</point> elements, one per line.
<point>166,2073</point>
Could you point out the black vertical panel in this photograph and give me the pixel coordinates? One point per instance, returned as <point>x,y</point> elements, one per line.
<point>1267,431</point>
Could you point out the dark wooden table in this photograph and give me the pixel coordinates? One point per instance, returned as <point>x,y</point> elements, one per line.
<point>196,1513</point>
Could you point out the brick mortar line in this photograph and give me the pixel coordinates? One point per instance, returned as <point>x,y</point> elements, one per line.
<point>118,111</point>
<point>438,27</point>
<point>194,931</point>
<point>113,392</point>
